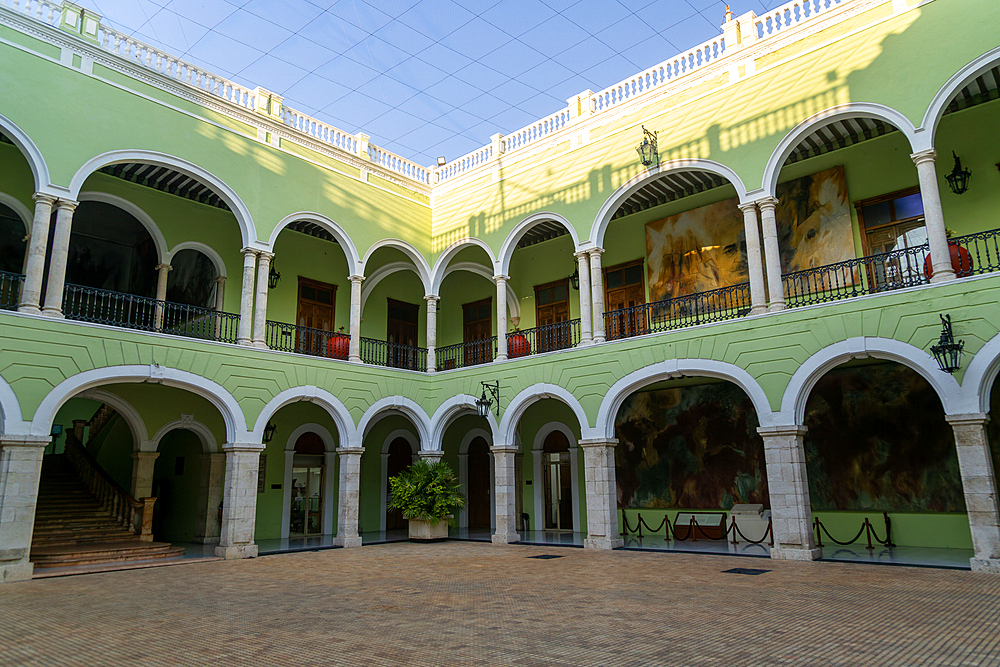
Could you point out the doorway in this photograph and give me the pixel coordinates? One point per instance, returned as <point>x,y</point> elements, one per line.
<point>315,312</point>
<point>401,334</point>
<point>557,481</point>
<point>477,329</point>
<point>623,290</point>
<point>479,484</point>
<point>400,458</point>
<point>308,477</point>
<point>552,309</point>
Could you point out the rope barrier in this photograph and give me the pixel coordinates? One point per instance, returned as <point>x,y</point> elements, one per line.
<point>866,527</point>
<point>693,526</point>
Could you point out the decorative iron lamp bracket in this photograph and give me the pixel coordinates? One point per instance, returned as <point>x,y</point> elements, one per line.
<point>484,404</point>
<point>273,277</point>
<point>958,179</point>
<point>648,153</point>
<point>269,432</point>
<point>947,352</point>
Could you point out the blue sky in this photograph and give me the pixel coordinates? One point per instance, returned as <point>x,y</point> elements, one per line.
<point>423,78</point>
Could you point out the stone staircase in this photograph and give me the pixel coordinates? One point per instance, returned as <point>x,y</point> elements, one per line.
<point>73,530</point>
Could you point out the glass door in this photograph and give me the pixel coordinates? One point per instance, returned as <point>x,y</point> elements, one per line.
<point>558,498</point>
<point>306,517</point>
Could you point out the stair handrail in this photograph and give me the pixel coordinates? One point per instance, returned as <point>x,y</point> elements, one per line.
<point>115,499</point>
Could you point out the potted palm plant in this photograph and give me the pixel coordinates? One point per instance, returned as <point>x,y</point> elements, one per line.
<point>427,494</point>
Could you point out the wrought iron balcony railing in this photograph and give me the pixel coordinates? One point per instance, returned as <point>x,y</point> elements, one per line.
<point>461,355</point>
<point>10,289</point>
<point>393,355</point>
<point>544,338</point>
<point>306,340</point>
<point>725,303</point>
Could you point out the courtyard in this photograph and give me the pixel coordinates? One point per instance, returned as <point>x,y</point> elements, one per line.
<point>464,603</point>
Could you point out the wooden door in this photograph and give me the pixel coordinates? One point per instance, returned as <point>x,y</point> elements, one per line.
<point>479,484</point>
<point>477,329</point>
<point>400,458</point>
<point>315,311</point>
<point>401,334</point>
<point>558,492</point>
<point>623,290</point>
<point>552,309</point>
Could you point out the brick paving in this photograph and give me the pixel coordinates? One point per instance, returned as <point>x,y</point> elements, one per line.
<point>463,603</point>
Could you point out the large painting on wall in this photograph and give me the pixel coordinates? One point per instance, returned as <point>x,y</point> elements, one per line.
<point>691,447</point>
<point>878,440</point>
<point>705,248</point>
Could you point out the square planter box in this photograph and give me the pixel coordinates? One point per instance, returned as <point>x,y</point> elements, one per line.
<point>425,531</point>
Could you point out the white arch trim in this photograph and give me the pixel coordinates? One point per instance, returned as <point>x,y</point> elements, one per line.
<point>977,383</point>
<point>611,204</point>
<point>450,410</point>
<point>530,395</point>
<point>328,442</point>
<point>144,218</point>
<point>136,424</point>
<point>941,99</point>
<point>472,434</point>
<point>209,445</point>
<point>39,170</point>
<point>793,402</point>
<point>214,393</point>
<point>391,405</point>
<point>239,209</point>
<point>11,422</point>
<point>321,397</point>
<point>441,265</point>
<point>338,232</point>
<point>825,117</point>
<point>198,246</point>
<point>20,209</point>
<point>677,368</point>
<point>513,304</point>
<point>510,243</point>
<point>420,265</point>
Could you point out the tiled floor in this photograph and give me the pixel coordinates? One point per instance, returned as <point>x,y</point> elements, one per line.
<point>469,603</point>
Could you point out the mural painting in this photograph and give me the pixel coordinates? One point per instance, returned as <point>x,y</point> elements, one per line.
<point>878,440</point>
<point>692,447</point>
<point>705,248</point>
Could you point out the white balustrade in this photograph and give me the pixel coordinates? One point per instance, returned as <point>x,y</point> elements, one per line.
<point>791,14</point>
<point>466,163</point>
<point>319,130</point>
<point>535,131</point>
<point>399,165</point>
<point>41,10</point>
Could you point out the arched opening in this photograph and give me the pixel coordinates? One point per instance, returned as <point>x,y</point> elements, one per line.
<point>399,457</point>
<point>479,484</point>
<point>467,311</point>
<point>878,447</point>
<point>557,482</point>
<point>12,255</point>
<point>307,487</point>
<point>177,477</point>
<point>394,314</point>
<point>193,279</point>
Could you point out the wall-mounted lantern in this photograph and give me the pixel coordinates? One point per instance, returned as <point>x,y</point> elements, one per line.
<point>947,352</point>
<point>958,179</point>
<point>273,277</point>
<point>647,149</point>
<point>269,432</point>
<point>484,404</point>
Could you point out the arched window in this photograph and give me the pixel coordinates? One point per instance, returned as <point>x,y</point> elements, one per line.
<point>12,243</point>
<point>109,249</point>
<point>192,280</point>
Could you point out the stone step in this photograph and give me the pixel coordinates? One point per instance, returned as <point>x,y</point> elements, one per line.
<point>71,555</point>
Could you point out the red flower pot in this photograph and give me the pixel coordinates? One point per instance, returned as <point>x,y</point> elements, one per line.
<point>961,261</point>
<point>517,346</point>
<point>338,347</point>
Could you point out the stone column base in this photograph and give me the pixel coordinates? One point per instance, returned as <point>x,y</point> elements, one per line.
<point>347,542</point>
<point>603,543</point>
<point>786,553</point>
<point>510,538</point>
<point>236,552</point>
<point>990,565</point>
<point>16,572</point>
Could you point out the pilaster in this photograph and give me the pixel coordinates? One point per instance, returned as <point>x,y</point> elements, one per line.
<point>505,490</point>
<point>979,485</point>
<point>788,488</point>
<point>602,494</point>
<point>208,527</point>
<point>142,473</point>
<point>239,502</point>
<point>20,471</point>
<point>350,486</point>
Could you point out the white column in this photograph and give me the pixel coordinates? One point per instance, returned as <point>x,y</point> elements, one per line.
<point>260,305</point>
<point>20,471</point>
<point>583,268</point>
<point>597,293</point>
<point>349,496</point>
<point>329,476</point>
<point>354,351</point>
<point>930,195</point>
<point>788,488</point>
<point>755,263</point>
<point>980,487</point>
<point>602,494</point>
<point>207,527</point>
<point>501,281</point>
<point>432,302</point>
<point>161,292</point>
<point>769,227</point>
<point>246,297</point>
<point>504,491</point>
<point>59,258</point>
<point>239,501</point>
<point>142,473</point>
<point>31,292</point>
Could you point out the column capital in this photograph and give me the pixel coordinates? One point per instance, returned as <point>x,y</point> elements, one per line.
<point>42,198</point>
<point>66,205</point>
<point>356,278</point>
<point>783,430</point>
<point>926,155</point>
<point>748,206</point>
<point>504,449</point>
<point>265,256</point>
<point>500,278</point>
<point>160,267</point>
<point>13,440</point>
<point>249,252</point>
<point>350,451</point>
<point>970,419</point>
<point>581,254</point>
<point>432,454</point>
<point>248,447</point>
<point>431,297</point>
<point>768,203</point>
<point>598,442</point>
<point>595,252</point>
<point>221,280</point>
<point>145,455</point>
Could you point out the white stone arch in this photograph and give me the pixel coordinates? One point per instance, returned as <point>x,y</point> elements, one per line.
<point>941,99</point>
<point>410,439</point>
<point>463,472</point>
<point>335,230</point>
<point>441,265</point>
<point>977,383</point>
<point>839,112</point>
<point>800,386</point>
<point>329,476</point>
<point>214,393</point>
<point>393,405</point>
<point>209,444</point>
<point>677,368</point>
<point>378,275</point>
<point>611,204</point>
<point>204,249</point>
<point>11,422</point>
<point>513,304</point>
<point>574,466</point>
<point>420,266</point>
<point>20,209</point>
<point>528,396</point>
<point>321,397</point>
<point>449,411</point>
<point>39,170</point>
<point>226,193</point>
<point>510,243</point>
<point>162,254</point>
<point>135,422</point>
